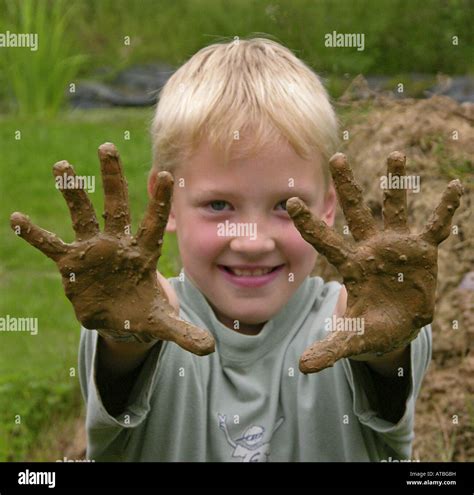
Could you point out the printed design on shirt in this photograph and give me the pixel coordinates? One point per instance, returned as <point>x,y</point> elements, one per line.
<point>250,446</point>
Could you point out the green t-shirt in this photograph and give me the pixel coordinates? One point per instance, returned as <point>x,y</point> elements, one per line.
<point>248,401</point>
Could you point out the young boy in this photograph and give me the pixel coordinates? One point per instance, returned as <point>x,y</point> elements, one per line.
<point>243,127</point>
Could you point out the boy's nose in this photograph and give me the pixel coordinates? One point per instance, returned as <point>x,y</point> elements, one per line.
<point>254,243</point>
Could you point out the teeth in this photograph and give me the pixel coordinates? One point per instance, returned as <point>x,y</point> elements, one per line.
<point>250,273</point>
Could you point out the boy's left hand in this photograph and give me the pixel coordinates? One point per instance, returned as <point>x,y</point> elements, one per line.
<point>390,275</point>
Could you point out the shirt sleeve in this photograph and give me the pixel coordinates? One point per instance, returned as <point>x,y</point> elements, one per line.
<point>396,437</point>
<point>108,434</point>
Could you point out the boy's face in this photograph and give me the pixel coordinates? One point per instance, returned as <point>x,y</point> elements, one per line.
<point>234,216</point>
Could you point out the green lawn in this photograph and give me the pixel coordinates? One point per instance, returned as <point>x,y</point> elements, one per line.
<point>78,37</point>
<point>38,373</point>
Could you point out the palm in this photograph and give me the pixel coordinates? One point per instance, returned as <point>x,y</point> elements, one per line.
<point>110,277</point>
<point>400,278</point>
<point>131,284</point>
<point>390,275</point>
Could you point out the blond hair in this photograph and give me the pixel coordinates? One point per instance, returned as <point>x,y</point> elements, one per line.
<point>252,87</point>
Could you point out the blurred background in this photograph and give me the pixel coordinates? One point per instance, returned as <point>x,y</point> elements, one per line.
<point>95,77</point>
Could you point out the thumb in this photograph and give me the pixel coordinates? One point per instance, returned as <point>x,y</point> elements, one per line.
<point>325,353</point>
<point>188,336</point>
<point>322,354</point>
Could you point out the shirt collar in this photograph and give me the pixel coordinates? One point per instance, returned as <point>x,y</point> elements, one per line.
<point>233,346</point>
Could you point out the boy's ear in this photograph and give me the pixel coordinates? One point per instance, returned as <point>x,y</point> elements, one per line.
<point>171,225</point>
<point>329,206</point>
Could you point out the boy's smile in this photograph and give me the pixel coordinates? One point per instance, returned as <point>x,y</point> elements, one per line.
<point>251,275</point>
<point>237,243</point>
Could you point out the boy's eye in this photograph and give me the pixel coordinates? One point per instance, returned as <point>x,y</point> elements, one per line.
<point>218,205</point>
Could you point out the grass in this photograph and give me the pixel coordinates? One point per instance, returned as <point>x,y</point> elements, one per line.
<point>38,78</point>
<point>396,41</point>
<point>115,34</point>
<point>38,374</point>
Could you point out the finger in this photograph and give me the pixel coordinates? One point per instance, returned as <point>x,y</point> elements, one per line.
<point>395,200</point>
<point>186,335</point>
<point>321,355</point>
<point>351,337</point>
<point>357,213</point>
<point>325,353</point>
<point>439,225</point>
<point>116,212</point>
<point>84,220</point>
<point>313,230</point>
<point>152,228</point>
<point>48,243</point>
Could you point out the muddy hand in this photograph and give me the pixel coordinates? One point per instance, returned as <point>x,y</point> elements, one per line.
<point>390,275</point>
<point>110,277</point>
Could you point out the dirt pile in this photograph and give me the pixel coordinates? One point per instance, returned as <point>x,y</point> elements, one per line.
<point>437,135</point>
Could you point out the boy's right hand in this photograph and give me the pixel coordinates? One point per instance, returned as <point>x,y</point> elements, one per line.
<point>110,277</point>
